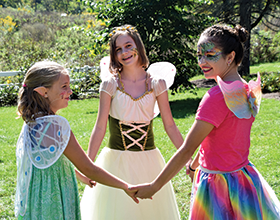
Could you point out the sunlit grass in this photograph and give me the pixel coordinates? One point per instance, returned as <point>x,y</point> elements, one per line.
<point>81,115</point>
<point>265,67</point>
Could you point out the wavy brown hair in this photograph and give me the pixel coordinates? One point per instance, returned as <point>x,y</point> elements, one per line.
<point>31,104</point>
<point>115,65</point>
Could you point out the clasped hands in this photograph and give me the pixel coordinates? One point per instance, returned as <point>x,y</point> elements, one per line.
<point>142,191</point>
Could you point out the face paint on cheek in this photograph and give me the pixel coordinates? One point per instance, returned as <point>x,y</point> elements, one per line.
<point>62,94</point>
<point>135,51</point>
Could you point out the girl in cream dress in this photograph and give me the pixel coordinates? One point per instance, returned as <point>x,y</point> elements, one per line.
<point>129,96</point>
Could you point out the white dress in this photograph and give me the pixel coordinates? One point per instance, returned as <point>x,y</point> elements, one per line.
<point>135,167</point>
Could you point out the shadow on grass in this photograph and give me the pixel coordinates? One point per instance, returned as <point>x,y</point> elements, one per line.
<point>184,108</point>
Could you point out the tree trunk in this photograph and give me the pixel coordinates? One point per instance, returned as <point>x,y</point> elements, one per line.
<point>245,21</point>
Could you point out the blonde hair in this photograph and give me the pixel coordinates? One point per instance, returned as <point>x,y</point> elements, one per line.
<point>31,104</point>
<point>115,65</point>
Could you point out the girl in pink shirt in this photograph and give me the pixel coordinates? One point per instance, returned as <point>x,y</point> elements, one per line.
<point>225,184</point>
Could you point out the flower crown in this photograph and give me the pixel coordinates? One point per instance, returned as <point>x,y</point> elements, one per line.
<point>128,27</point>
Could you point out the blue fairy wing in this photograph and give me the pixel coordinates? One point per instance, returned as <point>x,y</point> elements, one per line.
<point>48,137</point>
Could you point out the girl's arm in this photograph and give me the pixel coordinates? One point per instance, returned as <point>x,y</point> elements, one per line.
<point>78,157</point>
<point>82,178</point>
<point>193,164</point>
<point>100,126</point>
<point>199,130</point>
<point>168,121</point>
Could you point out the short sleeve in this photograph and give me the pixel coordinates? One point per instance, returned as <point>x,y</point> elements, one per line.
<point>109,85</point>
<point>212,107</point>
<point>159,86</point>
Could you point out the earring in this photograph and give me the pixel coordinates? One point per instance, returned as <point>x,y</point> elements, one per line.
<point>229,62</point>
<point>46,96</point>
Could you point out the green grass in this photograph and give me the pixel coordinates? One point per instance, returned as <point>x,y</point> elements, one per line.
<point>81,115</point>
<point>265,67</point>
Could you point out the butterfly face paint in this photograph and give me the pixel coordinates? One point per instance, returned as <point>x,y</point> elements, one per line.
<point>135,51</point>
<point>208,53</point>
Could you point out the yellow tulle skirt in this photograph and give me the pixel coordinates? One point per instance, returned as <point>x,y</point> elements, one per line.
<point>107,203</point>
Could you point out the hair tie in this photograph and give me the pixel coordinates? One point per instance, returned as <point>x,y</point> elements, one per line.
<point>24,85</point>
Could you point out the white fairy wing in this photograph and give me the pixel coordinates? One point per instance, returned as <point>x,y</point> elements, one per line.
<point>24,170</point>
<point>40,143</point>
<point>104,68</point>
<point>162,70</point>
<point>49,137</point>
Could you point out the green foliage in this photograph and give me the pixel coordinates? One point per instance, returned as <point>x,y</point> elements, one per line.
<point>8,95</point>
<point>265,47</point>
<point>270,81</point>
<point>85,83</point>
<point>28,37</point>
<point>169,30</point>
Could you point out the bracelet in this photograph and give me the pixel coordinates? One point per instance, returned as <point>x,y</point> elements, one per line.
<point>191,169</point>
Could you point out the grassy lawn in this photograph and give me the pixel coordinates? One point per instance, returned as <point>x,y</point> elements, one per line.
<point>81,115</point>
<point>265,67</point>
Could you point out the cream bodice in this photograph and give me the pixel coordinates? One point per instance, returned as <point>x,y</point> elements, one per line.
<point>126,108</point>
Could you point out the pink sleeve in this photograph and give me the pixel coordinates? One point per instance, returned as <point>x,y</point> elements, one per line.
<point>212,107</point>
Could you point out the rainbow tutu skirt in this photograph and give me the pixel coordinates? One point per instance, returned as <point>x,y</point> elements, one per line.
<point>239,195</point>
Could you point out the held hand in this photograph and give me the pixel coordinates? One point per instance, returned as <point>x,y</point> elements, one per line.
<point>84,179</point>
<point>91,183</point>
<point>144,191</point>
<point>131,191</point>
<point>191,175</point>
<point>188,166</point>
<point>88,182</point>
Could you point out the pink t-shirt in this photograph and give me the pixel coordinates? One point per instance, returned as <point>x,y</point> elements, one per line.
<point>226,148</point>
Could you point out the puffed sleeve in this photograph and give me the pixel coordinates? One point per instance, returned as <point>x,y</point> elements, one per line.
<point>159,86</point>
<point>109,85</point>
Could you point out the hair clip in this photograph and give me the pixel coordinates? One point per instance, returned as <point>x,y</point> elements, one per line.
<point>24,85</point>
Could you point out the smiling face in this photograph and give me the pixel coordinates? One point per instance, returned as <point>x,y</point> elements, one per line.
<point>59,93</point>
<point>126,50</point>
<point>211,59</point>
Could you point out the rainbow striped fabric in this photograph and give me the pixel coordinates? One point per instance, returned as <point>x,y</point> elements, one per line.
<point>239,195</point>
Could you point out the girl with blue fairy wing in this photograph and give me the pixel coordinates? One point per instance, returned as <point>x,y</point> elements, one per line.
<point>47,149</point>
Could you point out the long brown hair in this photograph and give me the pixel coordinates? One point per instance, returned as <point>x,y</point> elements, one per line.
<point>115,65</point>
<point>30,103</point>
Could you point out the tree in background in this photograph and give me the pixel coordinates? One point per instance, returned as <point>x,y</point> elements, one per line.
<point>248,13</point>
<point>10,3</point>
<point>169,30</point>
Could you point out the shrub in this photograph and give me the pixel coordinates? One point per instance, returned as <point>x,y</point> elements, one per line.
<point>264,46</point>
<point>270,81</point>
<point>8,95</point>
